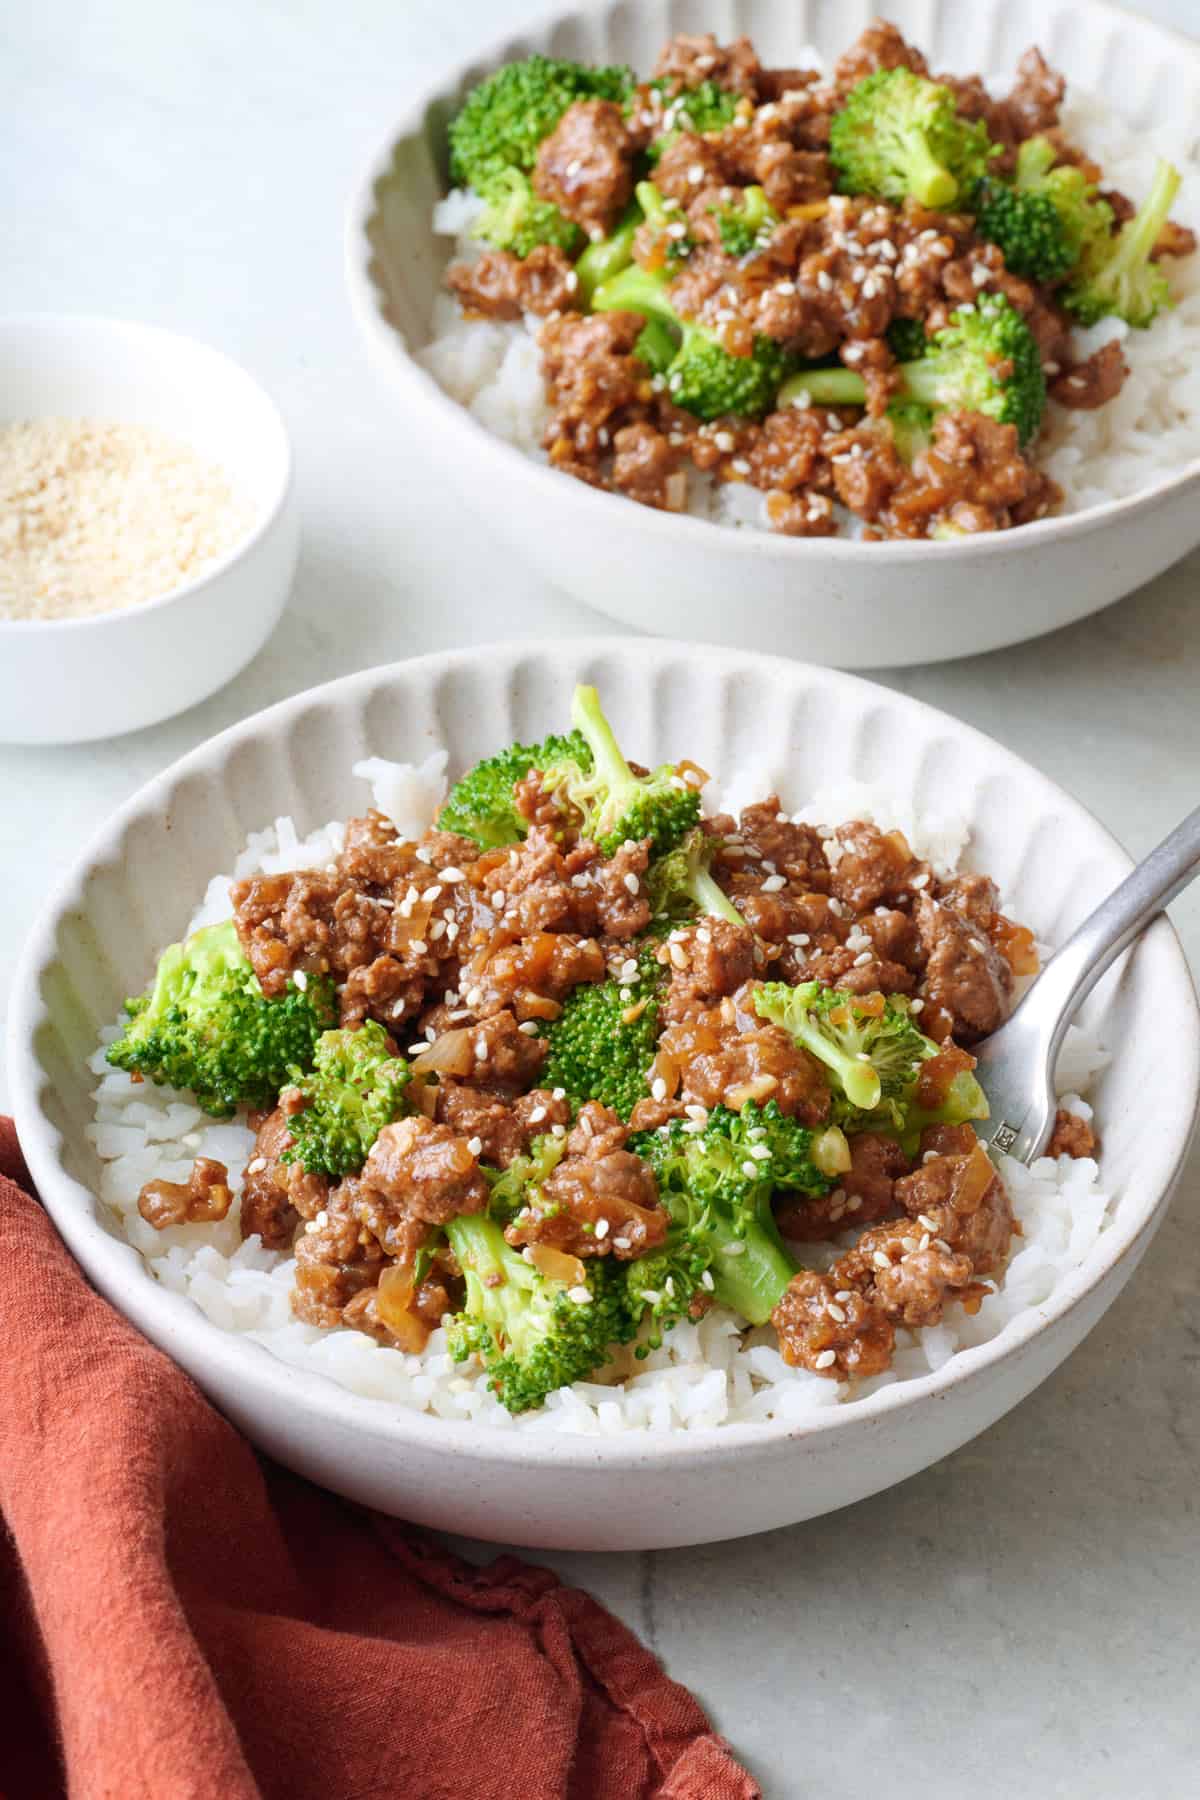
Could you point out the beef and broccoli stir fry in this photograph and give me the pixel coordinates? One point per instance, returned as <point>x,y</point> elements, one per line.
<point>582,1061</point>
<point>851,292</point>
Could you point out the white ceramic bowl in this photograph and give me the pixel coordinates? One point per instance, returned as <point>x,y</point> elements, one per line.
<point>63,681</point>
<point>135,885</point>
<point>834,601</point>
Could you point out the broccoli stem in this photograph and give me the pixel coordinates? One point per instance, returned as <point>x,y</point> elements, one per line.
<point>750,1273</point>
<point>1137,237</point>
<point>929,180</point>
<point>600,262</point>
<point>609,768</point>
<point>712,899</point>
<point>921,380</point>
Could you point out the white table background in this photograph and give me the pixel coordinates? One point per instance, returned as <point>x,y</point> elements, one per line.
<point>1025,1617</point>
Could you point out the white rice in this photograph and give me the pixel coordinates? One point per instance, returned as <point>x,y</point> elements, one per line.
<point>1145,436</point>
<point>707,1374</point>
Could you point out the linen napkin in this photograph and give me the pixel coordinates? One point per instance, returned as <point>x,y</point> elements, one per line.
<point>182,1619</point>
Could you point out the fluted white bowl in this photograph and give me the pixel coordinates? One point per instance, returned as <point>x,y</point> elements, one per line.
<point>136,884</point>
<point>831,600</point>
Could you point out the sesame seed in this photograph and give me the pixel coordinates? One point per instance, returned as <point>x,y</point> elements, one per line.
<point>475,1145</point>
<point>825,281</point>
<point>678,955</point>
<point>481,1048</point>
<point>881,1261</point>
<point>916,1006</point>
<point>724,440</point>
<point>835,1311</point>
<point>695,1111</point>
<point>419,946</point>
<point>558,1093</point>
<point>300,979</point>
<point>582,1296</point>
<point>761,1152</point>
<point>751,1169</point>
<point>474,997</point>
<point>256,1165</point>
<point>740,466</point>
<point>695,174</point>
<point>622,1243</point>
<point>862,959</point>
<point>632,884</point>
<point>735,1249</point>
<point>826,1359</point>
<point>529,1028</point>
<point>417,1048</point>
<point>574,166</point>
<point>658,1088</point>
<point>558,1131</point>
<point>773,884</point>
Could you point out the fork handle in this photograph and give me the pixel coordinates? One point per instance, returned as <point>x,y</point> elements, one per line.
<point>1074,970</point>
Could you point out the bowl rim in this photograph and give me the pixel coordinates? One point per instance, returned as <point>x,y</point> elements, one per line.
<point>266,516</point>
<point>388,343</point>
<point>119,1270</point>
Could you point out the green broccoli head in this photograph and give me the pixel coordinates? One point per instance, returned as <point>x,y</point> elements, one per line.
<point>503,120</point>
<point>874,1053</point>
<point>532,1333</point>
<point>481,805</point>
<point>985,361</point>
<point>746,223</point>
<point>699,109</point>
<point>205,1025</point>
<point>1116,274</point>
<point>716,1178</point>
<point>604,1039</point>
<point>680,884</point>
<point>702,377</point>
<point>515,219</point>
<point>517,1186</point>
<point>355,1086</point>
<point>906,339</point>
<point>1027,226</point>
<point>899,135</point>
<point>614,804</point>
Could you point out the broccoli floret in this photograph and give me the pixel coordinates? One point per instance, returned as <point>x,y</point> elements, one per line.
<point>1027,227</point>
<point>717,1183</point>
<point>532,1333</point>
<point>874,1053</point>
<point>504,119</point>
<point>355,1087</point>
<point>1116,274</point>
<point>747,223</point>
<point>985,361</point>
<point>906,339</point>
<point>614,803</point>
<point>681,884</point>
<point>699,109</point>
<point>516,1186</point>
<point>900,135</point>
<point>515,219</point>
<point>910,423</point>
<point>206,1025</point>
<point>480,805</point>
<point>703,377</point>
<point>603,1041</point>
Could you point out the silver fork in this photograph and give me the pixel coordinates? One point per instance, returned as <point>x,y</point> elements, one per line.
<point>1016,1064</point>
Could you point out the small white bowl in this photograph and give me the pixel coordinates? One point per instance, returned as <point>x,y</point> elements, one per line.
<point>64,681</point>
<point>134,887</point>
<point>830,600</point>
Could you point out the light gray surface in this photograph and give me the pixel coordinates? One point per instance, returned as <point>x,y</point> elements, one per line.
<point>1022,1617</point>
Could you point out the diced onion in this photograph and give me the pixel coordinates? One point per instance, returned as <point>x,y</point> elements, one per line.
<point>831,1152</point>
<point>450,1054</point>
<point>556,1265</point>
<point>393,1303</point>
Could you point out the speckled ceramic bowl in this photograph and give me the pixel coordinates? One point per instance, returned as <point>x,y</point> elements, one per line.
<point>798,725</point>
<point>829,600</point>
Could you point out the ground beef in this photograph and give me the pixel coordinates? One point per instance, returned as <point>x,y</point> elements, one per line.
<point>972,477</point>
<point>964,1200</point>
<point>530,976</point>
<point>872,868</point>
<point>276,1195</point>
<point>585,166</point>
<point>504,1129</point>
<point>600,1200</point>
<point>705,962</point>
<point>865,1194</point>
<point>832,1329</point>
<point>498,285</point>
<point>688,61</point>
<point>1072,1136</point>
<point>647,467</point>
<point>880,46</point>
<point>418,1170</point>
<point>1034,100</point>
<point>968,985</point>
<point>726,1055</point>
<point>1093,382</point>
<point>200,1200</point>
<point>594,384</point>
<point>337,1258</point>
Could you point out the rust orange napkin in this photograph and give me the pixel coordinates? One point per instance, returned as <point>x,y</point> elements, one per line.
<point>183,1620</point>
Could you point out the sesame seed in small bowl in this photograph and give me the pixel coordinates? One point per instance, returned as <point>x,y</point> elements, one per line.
<point>148,525</point>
